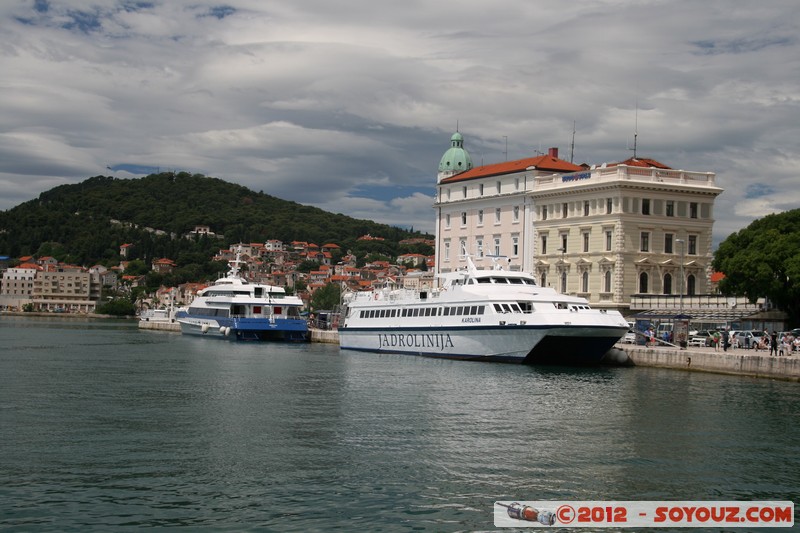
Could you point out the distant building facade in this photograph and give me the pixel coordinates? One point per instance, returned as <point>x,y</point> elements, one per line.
<point>606,233</point>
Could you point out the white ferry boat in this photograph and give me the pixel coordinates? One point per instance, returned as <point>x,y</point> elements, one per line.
<point>486,315</point>
<point>236,309</point>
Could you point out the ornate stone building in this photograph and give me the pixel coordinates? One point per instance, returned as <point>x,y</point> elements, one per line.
<point>607,233</point>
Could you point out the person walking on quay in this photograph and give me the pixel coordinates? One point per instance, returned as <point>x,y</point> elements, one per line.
<point>773,343</point>
<point>725,339</point>
<point>716,340</point>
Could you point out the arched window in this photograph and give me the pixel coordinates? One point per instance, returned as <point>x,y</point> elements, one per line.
<point>585,282</point>
<point>690,285</point>
<point>643,283</point>
<point>607,281</point>
<point>667,283</point>
<point>564,282</point>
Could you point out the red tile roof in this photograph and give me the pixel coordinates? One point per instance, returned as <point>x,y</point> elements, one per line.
<point>542,162</point>
<point>641,162</point>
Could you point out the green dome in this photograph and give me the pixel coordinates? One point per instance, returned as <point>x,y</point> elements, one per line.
<point>456,159</point>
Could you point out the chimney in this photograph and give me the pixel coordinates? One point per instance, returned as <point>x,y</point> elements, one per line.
<point>553,152</point>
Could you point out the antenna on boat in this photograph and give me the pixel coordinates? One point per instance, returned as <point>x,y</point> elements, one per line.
<point>496,265</point>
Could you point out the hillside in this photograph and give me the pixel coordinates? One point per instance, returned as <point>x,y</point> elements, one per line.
<point>72,222</point>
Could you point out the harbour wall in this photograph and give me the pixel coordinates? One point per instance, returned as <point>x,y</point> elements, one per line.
<point>740,363</point>
<point>160,326</point>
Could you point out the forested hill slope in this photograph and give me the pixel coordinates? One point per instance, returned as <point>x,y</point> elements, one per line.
<point>74,220</point>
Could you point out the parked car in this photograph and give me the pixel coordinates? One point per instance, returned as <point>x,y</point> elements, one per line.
<point>745,339</point>
<point>629,338</point>
<point>702,338</point>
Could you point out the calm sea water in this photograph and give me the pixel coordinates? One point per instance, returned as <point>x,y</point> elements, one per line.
<point>105,427</point>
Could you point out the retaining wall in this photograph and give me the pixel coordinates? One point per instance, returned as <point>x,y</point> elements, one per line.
<point>738,363</point>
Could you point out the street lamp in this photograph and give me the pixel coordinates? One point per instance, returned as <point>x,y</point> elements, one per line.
<point>682,243</point>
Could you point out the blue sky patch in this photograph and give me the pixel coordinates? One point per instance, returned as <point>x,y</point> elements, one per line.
<point>757,190</point>
<point>83,21</point>
<point>385,194</point>
<point>220,12</point>
<point>739,46</point>
<point>41,6</point>
<point>135,169</point>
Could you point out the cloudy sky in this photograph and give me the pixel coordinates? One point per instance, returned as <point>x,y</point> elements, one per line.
<point>349,105</point>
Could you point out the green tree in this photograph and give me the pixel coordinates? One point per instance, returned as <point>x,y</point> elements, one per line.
<point>327,297</point>
<point>117,307</point>
<point>763,260</point>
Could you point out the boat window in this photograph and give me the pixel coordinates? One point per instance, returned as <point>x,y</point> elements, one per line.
<point>460,310</point>
<point>527,307</point>
<point>256,309</point>
<point>484,280</point>
<point>498,308</point>
<point>506,308</point>
<point>277,310</point>
<point>481,309</point>
<point>515,281</point>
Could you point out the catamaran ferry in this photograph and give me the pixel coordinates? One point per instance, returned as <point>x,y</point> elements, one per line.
<point>485,315</point>
<point>234,308</point>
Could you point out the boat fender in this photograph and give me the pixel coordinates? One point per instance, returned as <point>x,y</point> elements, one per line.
<point>204,328</point>
<point>615,356</point>
<point>227,331</point>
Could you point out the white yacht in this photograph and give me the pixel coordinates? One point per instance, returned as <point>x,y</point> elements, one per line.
<point>486,315</point>
<point>236,309</point>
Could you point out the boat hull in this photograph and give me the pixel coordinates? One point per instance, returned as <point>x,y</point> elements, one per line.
<point>507,343</point>
<point>255,329</point>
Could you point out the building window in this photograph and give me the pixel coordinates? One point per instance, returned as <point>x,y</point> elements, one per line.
<point>448,194</point>
<point>564,282</point>
<point>543,281</point>
<point>609,205</point>
<point>585,282</point>
<point>497,216</point>
<point>479,244</point>
<point>667,283</point>
<point>564,208</point>
<point>499,188</point>
<point>693,210</point>
<point>607,281</point>
<point>608,241</point>
<point>462,245</point>
<point>643,283</point>
<point>497,246</point>
<point>692,244</point>
<point>447,220</point>
<point>670,208</point>
<point>480,217</point>
<point>544,244</point>
<point>586,242</point>
<point>645,242</point>
<point>586,208</point>
<point>544,212</point>
<point>463,219</point>
<point>514,246</point>
<point>516,213</point>
<point>516,184</point>
<point>668,243</point>
<point>447,250</point>
<point>464,189</point>
<point>645,206</point>
<point>563,244</point>
<point>690,285</point>
<point>480,188</point>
